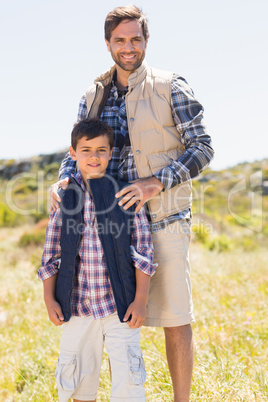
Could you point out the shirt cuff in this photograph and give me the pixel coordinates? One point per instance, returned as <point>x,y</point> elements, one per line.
<point>145,267</point>
<point>142,263</point>
<point>167,177</point>
<point>48,270</point>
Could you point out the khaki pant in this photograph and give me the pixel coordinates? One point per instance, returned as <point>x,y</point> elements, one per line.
<point>79,364</point>
<point>170,300</point>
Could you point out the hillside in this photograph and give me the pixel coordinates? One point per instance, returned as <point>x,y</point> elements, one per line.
<point>229,283</point>
<point>229,206</point>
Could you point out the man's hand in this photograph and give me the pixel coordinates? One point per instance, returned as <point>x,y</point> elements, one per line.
<point>54,312</point>
<point>141,190</point>
<point>54,197</point>
<point>137,311</point>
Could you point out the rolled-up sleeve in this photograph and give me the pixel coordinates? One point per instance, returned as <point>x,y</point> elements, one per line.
<point>52,252</point>
<point>189,121</point>
<point>142,250</point>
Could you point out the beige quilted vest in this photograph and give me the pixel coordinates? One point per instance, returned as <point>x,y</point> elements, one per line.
<point>155,141</point>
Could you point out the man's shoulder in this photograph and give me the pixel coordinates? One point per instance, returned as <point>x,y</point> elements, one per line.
<point>159,74</point>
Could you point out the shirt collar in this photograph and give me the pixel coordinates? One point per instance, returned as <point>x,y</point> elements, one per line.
<point>77,177</point>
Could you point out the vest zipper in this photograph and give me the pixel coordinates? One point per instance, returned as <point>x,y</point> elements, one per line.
<point>116,251</point>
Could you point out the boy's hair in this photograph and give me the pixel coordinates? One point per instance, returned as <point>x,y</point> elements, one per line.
<point>119,14</point>
<point>91,128</point>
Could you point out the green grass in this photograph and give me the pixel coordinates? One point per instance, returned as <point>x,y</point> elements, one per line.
<point>230,291</point>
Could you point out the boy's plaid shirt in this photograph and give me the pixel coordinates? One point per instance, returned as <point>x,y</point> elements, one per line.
<point>188,117</point>
<point>92,292</point>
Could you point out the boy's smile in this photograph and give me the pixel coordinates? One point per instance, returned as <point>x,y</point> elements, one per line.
<point>92,156</point>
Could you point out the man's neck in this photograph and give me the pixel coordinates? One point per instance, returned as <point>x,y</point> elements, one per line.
<point>122,78</point>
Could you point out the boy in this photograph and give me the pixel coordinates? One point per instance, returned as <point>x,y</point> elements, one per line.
<point>96,269</point>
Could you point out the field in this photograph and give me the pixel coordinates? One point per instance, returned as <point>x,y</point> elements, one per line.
<point>230,291</point>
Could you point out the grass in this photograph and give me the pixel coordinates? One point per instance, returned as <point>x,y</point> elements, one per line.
<point>230,291</point>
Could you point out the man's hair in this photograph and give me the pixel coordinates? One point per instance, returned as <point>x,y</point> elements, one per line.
<point>91,128</point>
<point>119,14</point>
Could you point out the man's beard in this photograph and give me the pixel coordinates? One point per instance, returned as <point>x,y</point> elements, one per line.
<point>126,66</point>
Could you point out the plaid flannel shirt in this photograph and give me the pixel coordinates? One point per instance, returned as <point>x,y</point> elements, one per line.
<point>92,292</point>
<point>188,117</point>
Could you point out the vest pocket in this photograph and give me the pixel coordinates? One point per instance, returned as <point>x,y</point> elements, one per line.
<point>67,371</point>
<point>159,160</point>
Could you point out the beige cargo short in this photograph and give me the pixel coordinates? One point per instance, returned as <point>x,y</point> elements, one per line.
<point>79,363</point>
<point>170,300</point>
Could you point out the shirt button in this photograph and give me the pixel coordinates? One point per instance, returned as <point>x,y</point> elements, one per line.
<point>154,215</point>
<point>170,160</point>
<point>138,151</point>
<point>131,119</point>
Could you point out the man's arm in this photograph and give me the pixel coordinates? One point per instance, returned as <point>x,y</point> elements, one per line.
<point>189,120</point>
<point>68,165</point>
<point>188,117</point>
<point>142,257</point>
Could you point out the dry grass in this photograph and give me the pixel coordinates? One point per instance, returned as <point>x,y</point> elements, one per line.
<point>230,292</point>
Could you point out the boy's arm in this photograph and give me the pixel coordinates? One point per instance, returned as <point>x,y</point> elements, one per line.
<point>142,257</point>
<point>50,266</point>
<point>137,309</point>
<point>53,307</point>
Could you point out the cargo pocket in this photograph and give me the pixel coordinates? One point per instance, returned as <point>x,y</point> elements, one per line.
<point>66,371</point>
<point>137,373</point>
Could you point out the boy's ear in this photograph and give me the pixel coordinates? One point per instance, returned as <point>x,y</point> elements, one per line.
<point>72,153</point>
<point>110,155</point>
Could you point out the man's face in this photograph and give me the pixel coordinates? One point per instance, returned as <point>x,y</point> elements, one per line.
<point>127,45</point>
<point>92,156</point>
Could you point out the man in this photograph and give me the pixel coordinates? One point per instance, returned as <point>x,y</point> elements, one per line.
<point>161,143</point>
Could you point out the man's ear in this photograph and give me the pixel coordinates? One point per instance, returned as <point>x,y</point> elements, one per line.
<point>72,153</point>
<point>108,45</point>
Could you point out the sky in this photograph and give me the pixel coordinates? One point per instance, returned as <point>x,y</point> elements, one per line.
<point>51,52</point>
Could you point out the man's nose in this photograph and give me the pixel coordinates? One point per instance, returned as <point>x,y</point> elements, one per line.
<point>128,46</point>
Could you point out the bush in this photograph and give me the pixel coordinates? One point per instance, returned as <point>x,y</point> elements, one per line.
<point>220,243</point>
<point>8,218</point>
<point>201,233</point>
<point>27,186</point>
<point>34,238</point>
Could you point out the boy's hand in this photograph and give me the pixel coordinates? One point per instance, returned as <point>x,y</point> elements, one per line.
<point>55,312</point>
<point>137,311</point>
<point>54,196</point>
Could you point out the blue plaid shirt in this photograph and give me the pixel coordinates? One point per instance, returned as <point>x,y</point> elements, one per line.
<point>188,117</point>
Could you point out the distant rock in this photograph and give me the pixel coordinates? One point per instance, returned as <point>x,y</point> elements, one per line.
<point>11,168</point>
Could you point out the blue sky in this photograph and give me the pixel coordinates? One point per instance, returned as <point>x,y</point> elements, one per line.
<point>51,51</point>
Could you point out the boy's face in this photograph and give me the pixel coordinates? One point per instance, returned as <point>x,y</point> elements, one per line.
<point>92,156</point>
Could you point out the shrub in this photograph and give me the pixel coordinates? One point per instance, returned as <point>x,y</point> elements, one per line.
<point>34,238</point>
<point>220,243</point>
<point>8,218</point>
<point>201,233</point>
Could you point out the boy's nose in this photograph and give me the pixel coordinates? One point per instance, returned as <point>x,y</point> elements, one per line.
<point>94,155</point>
